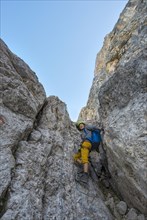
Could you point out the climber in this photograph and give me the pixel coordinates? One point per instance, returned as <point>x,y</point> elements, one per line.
<point>91,140</point>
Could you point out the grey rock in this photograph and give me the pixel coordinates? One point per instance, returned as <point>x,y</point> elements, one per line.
<point>22,97</point>
<point>43,185</point>
<point>117,214</point>
<point>121,207</point>
<point>110,203</point>
<point>117,99</point>
<point>132,214</point>
<point>141,217</point>
<point>35,136</point>
<point>20,89</point>
<point>38,138</point>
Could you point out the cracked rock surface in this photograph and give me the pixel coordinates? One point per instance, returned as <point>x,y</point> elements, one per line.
<point>38,140</point>
<point>118,99</point>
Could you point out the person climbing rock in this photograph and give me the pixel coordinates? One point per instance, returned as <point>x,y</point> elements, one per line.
<point>91,140</point>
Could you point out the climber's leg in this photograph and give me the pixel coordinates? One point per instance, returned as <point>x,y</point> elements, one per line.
<point>86,146</point>
<point>77,157</point>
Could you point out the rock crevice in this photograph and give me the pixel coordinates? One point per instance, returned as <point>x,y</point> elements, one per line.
<point>118,99</point>
<point>38,138</point>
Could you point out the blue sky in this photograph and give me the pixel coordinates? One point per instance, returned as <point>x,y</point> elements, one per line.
<point>59,40</point>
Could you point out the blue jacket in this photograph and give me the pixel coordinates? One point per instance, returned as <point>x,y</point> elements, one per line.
<point>86,133</point>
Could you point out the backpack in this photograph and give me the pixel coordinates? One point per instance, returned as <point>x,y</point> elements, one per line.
<point>95,136</point>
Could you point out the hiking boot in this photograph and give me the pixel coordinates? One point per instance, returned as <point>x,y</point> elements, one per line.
<point>79,167</point>
<point>82,177</point>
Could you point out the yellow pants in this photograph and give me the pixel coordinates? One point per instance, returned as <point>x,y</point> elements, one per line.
<point>83,153</point>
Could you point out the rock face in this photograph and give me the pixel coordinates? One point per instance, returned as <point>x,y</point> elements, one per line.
<point>21,98</point>
<point>118,99</point>
<point>38,140</point>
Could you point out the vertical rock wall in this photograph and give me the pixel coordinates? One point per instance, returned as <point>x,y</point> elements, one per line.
<point>118,98</point>
<point>21,97</point>
<point>126,40</point>
<point>38,139</point>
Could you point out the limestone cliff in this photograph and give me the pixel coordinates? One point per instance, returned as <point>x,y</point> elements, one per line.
<point>38,139</point>
<point>118,99</point>
<point>126,41</point>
